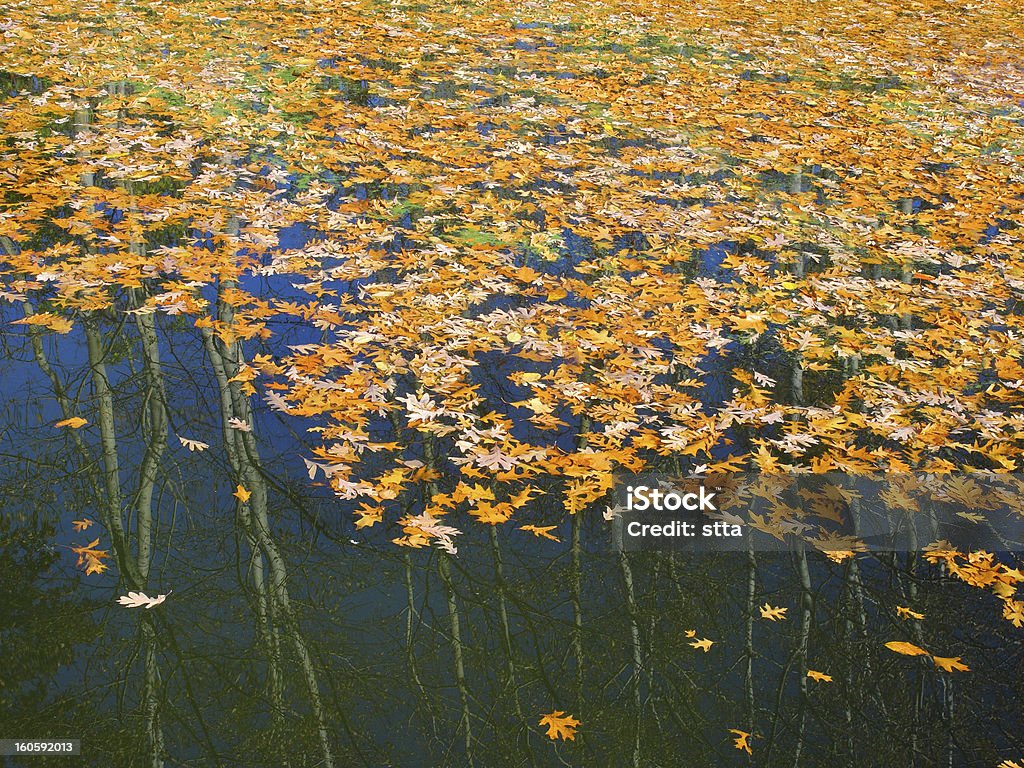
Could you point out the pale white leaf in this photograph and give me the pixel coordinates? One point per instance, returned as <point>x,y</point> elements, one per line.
<point>140,600</point>
<point>193,445</point>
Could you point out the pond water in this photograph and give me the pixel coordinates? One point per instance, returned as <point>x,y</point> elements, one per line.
<point>391,656</point>
<point>306,274</point>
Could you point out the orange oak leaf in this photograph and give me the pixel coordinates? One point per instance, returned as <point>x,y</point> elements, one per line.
<point>950,664</point>
<point>560,725</point>
<point>46,320</point>
<point>368,516</point>
<point>742,740</point>
<point>90,558</point>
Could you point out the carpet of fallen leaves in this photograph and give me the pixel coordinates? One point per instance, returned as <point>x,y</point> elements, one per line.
<point>524,233</point>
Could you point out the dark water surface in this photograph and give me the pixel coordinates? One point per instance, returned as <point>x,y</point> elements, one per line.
<point>400,657</point>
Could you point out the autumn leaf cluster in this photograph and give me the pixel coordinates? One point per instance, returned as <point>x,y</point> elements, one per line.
<point>527,236</point>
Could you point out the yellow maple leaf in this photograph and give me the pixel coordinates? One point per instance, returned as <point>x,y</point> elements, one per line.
<point>241,493</point>
<point>820,677</point>
<point>560,725</point>
<point>704,645</point>
<point>81,525</point>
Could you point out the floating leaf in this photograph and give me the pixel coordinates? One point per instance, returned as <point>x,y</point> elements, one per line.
<point>742,740</point>
<point>906,613</point>
<point>75,422</point>
<point>560,725</point>
<point>368,516</point>
<point>90,559</point>
<point>543,531</point>
<point>140,600</point>
<point>193,445</point>
<point>950,664</point>
<point>773,614</point>
<point>46,320</point>
<point>907,649</point>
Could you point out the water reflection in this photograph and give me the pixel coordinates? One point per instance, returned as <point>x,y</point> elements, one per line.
<point>290,637</point>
